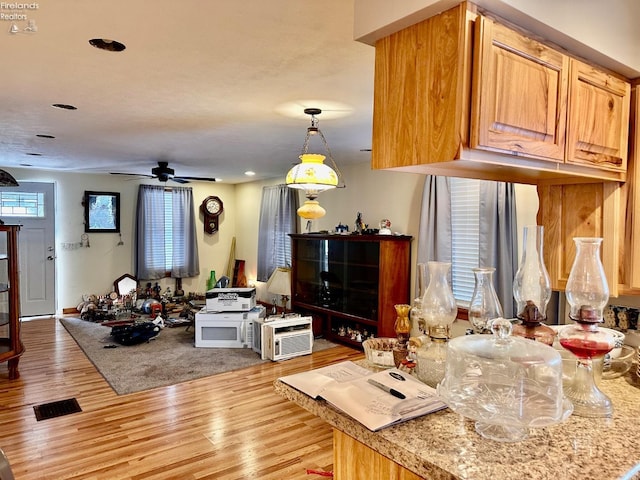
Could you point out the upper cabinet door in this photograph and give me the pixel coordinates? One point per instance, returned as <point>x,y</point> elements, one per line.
<point>598,129</point>
<point>519,94</point>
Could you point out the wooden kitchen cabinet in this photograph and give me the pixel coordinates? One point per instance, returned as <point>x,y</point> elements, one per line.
<point>598,126</point>
<point>580,210</point>
<point>630,212</point>
<point>520,94</point>
<point>460,94</point>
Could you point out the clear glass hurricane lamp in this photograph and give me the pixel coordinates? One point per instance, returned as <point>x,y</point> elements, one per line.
<point>485,305</point>
<point>532,288</point>
<point>439,311</point>
<point>587,293</point>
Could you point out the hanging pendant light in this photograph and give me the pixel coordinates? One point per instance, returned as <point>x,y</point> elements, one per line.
<point>312,175</point>
<point>7,180</point>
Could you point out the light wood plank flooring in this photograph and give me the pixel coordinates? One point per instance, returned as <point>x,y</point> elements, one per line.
<point>229,426</point>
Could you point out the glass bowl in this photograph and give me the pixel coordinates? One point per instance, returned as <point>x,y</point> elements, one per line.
<point>615,367</point>
<point>379,351</point>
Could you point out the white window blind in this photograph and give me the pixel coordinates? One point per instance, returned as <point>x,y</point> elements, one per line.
<point>465,231</point>
<point>168,233</point>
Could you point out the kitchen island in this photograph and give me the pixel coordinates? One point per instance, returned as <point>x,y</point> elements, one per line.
<point>444,445</point>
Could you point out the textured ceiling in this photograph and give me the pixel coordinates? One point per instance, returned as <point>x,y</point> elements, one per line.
<point>213,87</point>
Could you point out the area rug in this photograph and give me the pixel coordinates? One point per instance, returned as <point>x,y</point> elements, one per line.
<point>168,359</point>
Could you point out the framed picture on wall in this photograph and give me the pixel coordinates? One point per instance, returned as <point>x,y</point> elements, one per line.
<point>101,212</point>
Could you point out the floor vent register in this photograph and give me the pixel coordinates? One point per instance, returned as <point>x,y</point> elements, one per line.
<point>56,409</point>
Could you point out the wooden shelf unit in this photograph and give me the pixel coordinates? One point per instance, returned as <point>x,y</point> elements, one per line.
<point>11,346</point>
<point>350,281</point>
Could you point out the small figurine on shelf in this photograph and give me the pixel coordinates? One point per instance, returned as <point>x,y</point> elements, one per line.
<point>385,227</point>
<point>360,225</point>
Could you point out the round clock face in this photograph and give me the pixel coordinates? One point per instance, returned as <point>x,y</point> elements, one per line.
<point>213,206</point>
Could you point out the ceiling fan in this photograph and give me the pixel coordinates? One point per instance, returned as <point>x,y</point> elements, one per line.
<point>163,173</point>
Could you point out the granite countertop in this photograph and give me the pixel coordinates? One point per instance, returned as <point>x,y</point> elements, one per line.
<point>444,445</point>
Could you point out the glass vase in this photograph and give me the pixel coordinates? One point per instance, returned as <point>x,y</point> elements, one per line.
<point>587,293</point>
<point>485,306</point>
<point>532,288</point>
<point>402,325</point>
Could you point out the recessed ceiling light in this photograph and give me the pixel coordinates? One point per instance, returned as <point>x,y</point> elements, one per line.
<point>107,44</point>
<point>42,135</point>
<point>249,173</point>
<point>64,106</point>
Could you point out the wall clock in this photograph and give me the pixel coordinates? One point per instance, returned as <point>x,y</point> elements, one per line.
<point>211,209</point>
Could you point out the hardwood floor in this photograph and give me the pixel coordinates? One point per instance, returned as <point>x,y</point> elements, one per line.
<point>229,426</point>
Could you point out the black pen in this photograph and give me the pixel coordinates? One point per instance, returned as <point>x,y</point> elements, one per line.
<point>390,390</point>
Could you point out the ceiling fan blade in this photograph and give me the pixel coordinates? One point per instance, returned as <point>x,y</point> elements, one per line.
<point>133,174</point>
<point>202,179</point>
<point>179,180</point>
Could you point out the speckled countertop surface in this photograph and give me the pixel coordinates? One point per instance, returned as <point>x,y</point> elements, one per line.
<point>444,445</point>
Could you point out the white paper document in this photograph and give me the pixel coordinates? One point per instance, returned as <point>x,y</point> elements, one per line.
<point>376,400</point>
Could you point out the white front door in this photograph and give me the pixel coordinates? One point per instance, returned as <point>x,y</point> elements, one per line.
<point>36,243</point>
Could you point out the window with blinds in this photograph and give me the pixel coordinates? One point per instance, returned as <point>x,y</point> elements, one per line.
<point>168,233</point>
<point>465,232</point>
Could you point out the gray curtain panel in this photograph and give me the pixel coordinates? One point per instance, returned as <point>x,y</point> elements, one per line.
<point>154,236</point>
<point>498,239</point>
<point>278,218</point>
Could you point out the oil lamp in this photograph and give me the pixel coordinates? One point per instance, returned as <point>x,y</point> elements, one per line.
<point>439,310</point>
<point>532,289</point>
<point>587,292</point>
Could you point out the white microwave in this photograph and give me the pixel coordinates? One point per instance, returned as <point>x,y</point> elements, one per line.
<point>226,329</point>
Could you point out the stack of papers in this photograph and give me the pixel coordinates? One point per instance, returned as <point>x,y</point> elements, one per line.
<point>375,399</point>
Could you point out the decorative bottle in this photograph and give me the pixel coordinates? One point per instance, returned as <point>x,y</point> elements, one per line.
<point>587,293</point>
<point>402,327</point>
<point>485,306</point>
<point>532,289</point>
<point>439,311</point>
<point>211,282</point>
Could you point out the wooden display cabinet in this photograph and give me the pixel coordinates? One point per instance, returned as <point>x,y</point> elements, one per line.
<point>11,346</point>
<point>350,282</point>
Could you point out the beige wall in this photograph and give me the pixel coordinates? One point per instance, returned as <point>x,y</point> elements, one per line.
<point>377,194</point>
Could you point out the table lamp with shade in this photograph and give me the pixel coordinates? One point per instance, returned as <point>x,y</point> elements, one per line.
<point>279,283</point>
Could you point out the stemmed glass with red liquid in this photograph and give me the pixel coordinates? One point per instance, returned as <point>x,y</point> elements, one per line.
<point>587,292</point>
